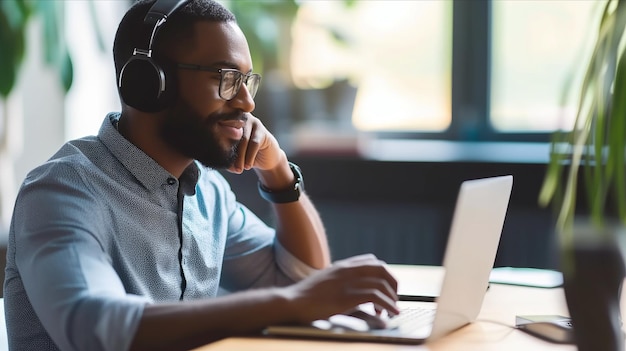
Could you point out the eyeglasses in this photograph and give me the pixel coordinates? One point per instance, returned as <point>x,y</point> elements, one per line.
<point>230,80</point>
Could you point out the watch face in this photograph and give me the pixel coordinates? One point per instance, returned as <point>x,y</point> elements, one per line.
<point>297,190</point>
<point>298,174</point>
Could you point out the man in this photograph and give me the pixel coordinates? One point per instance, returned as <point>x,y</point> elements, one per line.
<point>130,240</point>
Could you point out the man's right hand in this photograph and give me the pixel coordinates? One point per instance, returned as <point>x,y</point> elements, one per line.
<point>338,289</point>
<point>343,287</point>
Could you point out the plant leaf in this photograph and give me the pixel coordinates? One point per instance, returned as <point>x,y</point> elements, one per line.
<point>8,66</point>
<point>66,71</point>
<point>597,140</point>
<point>55,48</point>
<point>617,135</point>
<point>553,173</point>
<point>14,16</point>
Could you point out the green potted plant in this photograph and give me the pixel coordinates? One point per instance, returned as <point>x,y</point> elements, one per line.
<point>591,159</point>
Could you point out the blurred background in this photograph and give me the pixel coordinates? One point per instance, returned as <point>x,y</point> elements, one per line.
<point>386,105</point>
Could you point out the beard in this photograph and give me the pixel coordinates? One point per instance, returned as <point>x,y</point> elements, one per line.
<point>195,136</point>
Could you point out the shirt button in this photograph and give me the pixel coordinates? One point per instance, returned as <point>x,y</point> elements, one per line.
<point>171,181</point>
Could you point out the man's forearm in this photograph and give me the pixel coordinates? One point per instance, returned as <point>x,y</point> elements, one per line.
<point>301,231</point>
<point>189,324</point>
<point>299,227</point>
<point>337,289</point>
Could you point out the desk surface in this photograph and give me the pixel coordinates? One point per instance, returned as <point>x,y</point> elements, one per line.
<point>493,329</point>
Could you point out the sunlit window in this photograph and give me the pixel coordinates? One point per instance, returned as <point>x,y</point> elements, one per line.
<point>538,49</point>
<point>396,53</point>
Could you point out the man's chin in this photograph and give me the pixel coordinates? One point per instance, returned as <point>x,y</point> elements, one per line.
<point>218,161</point>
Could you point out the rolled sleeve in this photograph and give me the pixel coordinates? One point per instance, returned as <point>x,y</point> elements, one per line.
<point>255,258</point>
<point>294,268</point>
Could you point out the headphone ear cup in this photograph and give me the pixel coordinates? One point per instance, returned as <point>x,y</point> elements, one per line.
<point>143,84</point>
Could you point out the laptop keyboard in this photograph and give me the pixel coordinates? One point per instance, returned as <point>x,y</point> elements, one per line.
<point>412,318</point>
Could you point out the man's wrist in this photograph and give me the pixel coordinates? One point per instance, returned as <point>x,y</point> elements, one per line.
<point>286,195</point>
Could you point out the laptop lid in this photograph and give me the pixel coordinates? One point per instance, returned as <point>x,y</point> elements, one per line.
<point>470,254</point>
<point>471,251</point>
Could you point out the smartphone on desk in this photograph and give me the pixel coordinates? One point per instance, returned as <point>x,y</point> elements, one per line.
<point>553,328</point>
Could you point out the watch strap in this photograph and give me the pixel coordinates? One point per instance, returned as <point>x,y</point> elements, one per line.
<point>291,194</point>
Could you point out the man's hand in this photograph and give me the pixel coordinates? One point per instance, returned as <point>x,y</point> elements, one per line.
<point>342,287</point>
<point>258,148</point>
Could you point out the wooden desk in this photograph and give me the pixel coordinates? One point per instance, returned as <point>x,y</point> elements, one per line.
<point>493,329</point>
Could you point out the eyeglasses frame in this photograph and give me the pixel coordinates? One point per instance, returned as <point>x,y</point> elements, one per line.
<point>244,77</point>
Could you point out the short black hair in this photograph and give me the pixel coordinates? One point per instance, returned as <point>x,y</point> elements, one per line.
<point>133,33</point>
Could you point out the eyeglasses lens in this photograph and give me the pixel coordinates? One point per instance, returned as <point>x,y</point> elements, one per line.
<point>252,84</point>
<point>231,84</point>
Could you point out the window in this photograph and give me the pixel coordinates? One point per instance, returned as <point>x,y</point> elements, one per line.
<point>537,52</point>
<point>455,70</point>
<point>396,52</point>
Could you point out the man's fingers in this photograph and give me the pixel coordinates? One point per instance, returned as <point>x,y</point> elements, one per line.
<point>242,148</point>
<point>249,151</point>
<point>369,268</point>
<point>253,146</point>
<point>376,284</point>
<point>348,284</point>
<point>378,298</point>
<point>373,321</point>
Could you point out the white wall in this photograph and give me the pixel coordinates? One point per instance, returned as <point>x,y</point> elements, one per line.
<point>94,92</point>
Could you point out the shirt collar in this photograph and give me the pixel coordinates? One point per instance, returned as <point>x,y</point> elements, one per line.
<point>145,169</point>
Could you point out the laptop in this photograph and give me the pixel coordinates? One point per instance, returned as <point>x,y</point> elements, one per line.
<point>470,254</point>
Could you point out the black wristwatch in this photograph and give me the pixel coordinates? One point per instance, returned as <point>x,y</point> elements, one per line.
<point>285,196</point>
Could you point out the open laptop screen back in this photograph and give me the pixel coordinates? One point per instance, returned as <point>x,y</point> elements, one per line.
<point>471,251</point>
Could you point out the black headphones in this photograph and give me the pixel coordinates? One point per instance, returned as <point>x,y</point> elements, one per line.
<point>143,82</point>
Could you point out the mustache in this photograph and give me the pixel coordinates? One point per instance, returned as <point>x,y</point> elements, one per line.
<point>232,117</point>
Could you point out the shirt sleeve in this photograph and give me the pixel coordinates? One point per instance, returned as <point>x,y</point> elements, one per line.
<point>294,268</point>
<point>69,280</point>
<point>253,256</point>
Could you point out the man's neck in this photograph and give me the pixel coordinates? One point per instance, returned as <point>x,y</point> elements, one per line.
<point>143,131</point>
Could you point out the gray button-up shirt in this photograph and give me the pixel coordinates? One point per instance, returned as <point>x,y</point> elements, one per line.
<point>96,235</point>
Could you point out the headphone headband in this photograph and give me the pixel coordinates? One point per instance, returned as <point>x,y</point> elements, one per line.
<point>161,10</point>
<point>157,16</point>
